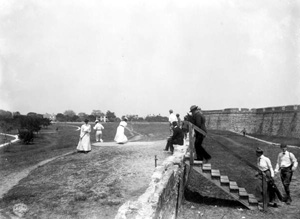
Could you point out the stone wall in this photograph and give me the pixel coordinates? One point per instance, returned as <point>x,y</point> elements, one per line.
<point>163,197</point>
<point>279,121</point>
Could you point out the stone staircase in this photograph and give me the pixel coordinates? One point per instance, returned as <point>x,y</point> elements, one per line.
<point>223,182</point>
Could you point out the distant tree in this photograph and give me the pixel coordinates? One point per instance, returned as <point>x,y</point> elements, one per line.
<point>74,118</point>
<point>45,122</point>
<point>82,116</point>
<point>134,118</point>
<point>69,113</point>
<point>91,118</point>
<point>31,114</point>
<point>97,113</point>
<point>60,117</point>
<point>111,117</point>
<point>16,114</point>
<point>158,118</point>
<point>5,114</point>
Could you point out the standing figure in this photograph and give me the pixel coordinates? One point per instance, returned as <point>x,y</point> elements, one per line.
<point>176,138</point>
<point>120,137</point>
<point>172,118</point>
<point>199,120</point>
<point>84,144</point>
<point>286,164</point>
<point>98,127</point>
<point>265,168</point>
<point>185,126</point>
<point>244,132</point>
<point>178,120</point>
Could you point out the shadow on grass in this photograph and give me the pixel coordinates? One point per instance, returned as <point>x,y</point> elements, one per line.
<point>197,198</point>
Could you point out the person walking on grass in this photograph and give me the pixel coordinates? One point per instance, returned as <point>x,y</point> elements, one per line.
<point>175,138</point>
<point>84,144</point>
<point>98,127</point>
<point>286,165</point>
<point>265,168</point>
<point>120,136</point>
<point>198,120</point>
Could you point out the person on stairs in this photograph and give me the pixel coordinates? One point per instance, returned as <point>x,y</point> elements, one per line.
<point>198,120</point>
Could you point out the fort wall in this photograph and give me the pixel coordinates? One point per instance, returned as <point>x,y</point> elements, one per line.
<point>279,121</point>
<point>163,197</point>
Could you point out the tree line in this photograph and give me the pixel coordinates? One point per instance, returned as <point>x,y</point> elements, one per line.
<point>71,116</point>
<point>26,125</point>
<point>32,122</point>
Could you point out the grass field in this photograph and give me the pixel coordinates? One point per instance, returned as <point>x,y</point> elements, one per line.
<point>82,186</point>
<point>102,179</point>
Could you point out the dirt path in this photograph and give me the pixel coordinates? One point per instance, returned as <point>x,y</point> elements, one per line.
<point>13,179</point>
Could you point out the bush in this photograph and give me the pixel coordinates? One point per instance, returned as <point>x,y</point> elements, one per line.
<point>26,135</point>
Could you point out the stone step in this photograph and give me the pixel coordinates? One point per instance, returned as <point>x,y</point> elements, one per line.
<point>224,181</point>
<point>252,200</point>
<point>206,168</point>
<point>233,187</point>
<point>215,174</point>
<point>243,193</point>
<point>198,162</point>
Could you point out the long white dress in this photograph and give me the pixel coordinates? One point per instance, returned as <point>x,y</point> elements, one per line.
<point>120,137</point>
<point>84,143</point>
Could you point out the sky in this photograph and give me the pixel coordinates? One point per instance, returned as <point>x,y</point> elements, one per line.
<point>141,57</point>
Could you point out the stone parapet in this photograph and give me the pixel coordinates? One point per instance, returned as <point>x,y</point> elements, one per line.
<point>164,193</point>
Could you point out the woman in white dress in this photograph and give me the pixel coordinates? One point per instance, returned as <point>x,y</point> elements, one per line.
<point>84,144</point>
<point>120,137</point>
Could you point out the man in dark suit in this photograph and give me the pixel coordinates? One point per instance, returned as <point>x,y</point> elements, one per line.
<point>175,138</point>
<point>199,120</point>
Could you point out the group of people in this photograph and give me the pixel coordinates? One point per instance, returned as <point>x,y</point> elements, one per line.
<point>84,144</point>
<point>179,130</point>
<point>286,165</point>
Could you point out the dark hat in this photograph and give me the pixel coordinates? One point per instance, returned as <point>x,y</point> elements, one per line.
<point>193,107</point>
<point>174,123</point>
<point>86,120</point>
<point>283,146</point>
<point>125,118</point>
<point>259,150</point>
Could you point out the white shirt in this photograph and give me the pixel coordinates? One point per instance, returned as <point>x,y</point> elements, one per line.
<point>98,127</point>
<point>285,160</point>
<point>264,163</point>
<point>172,118</point>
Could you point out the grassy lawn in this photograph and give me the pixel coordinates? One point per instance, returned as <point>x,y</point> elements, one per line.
<point>94,185</point>
<point>80,185</point>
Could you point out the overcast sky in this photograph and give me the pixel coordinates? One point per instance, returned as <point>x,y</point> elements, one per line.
<point>146,57</point>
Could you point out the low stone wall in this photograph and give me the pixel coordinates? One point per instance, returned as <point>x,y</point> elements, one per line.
<point>163,197</point>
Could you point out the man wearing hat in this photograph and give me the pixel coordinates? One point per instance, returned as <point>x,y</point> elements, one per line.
<point>265,168</point>
<point>198,120</point>
<point>286,164</point>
